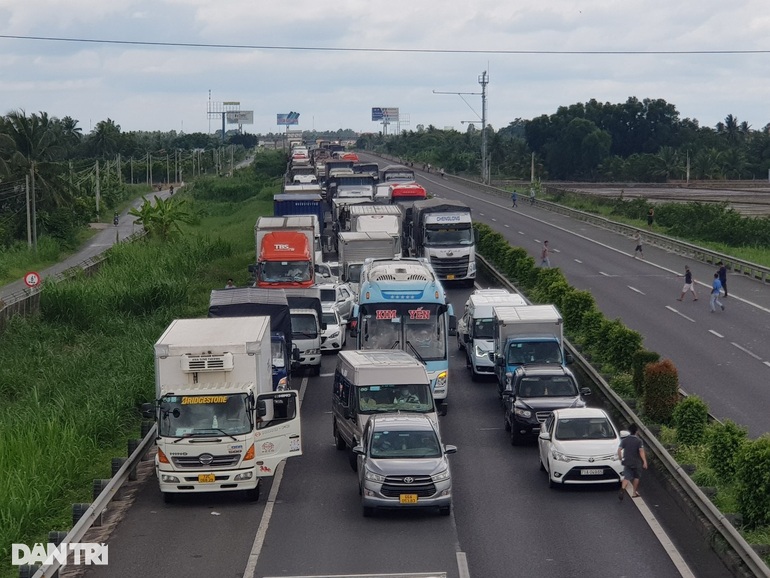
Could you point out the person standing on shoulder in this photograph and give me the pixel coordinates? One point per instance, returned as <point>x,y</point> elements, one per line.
<point>532,196</point>
<point>634,459</point>
<point>689,284</point>
<point>514,198</point>
<point>716,288</point>
<point>722,271</point>
<point>650,217</point>
<point>545,261</point>
<point>638,248</point>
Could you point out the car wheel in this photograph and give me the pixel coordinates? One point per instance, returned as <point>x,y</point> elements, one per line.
<point>339,443</point>
<point>353,461</point>
<point>368,511</point>
<point>444,510</point>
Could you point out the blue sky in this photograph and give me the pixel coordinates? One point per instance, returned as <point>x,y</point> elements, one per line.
<point>145,87</point>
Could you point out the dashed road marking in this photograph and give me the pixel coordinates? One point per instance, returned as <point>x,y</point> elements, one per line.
<point>578,261</point>
<point>717,334</point>
<point>679,313</point>
<point>635,289</point>
<point>746,351</point>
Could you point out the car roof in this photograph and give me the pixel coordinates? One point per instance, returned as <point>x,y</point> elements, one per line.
<point>580,412</point>
<point>401,422</point>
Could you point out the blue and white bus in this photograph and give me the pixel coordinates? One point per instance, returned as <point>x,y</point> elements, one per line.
<point>402,305</point>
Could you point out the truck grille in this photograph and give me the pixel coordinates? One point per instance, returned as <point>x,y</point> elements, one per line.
<point>542,416</point>
<point>445,267</point>
<point>216,461</point>
<point>394,486</point>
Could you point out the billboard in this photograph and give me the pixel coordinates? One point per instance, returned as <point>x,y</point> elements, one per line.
<point>288,118</point>
<point>385,114</point>
<point>240,117</point>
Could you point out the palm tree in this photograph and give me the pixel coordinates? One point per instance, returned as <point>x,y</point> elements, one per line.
<point>105,138</point>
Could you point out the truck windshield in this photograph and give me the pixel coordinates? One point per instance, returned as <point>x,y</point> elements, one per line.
<point>415,397</point>
<point>354,273</point>
<point>304,326</point>
<point>284,271</point>
<point>534,352</point>
<point>483,329</point>
<point>204,415</point>
<point>277,348</point>
<point>443,236</point>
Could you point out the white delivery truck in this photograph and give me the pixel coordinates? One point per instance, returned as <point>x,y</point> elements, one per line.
<point>221,427</point>
<point>441,230</point>
<point>530,334</point>
<point>306,325</point>
<point>376,381</point>
<point>354,248</point>
<point>476,328</point>
<point>371,218</point>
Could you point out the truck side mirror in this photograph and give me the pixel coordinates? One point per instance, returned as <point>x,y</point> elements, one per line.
<point>148,410</point>
<point>253,268</point>
<point>452,325</point>
<point>585,391</point>
<point>568,358</point>
<point>261,408</point>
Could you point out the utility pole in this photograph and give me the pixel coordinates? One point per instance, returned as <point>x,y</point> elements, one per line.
<point>29,216</point>
<point>483,81</point>
<point>97,188</point>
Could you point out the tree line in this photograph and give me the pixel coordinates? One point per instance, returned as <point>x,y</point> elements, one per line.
<point>638,141</point>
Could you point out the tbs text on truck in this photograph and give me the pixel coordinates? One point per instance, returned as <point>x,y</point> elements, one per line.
<point>220,425</point>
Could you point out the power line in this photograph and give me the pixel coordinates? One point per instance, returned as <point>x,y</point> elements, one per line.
<point>381,50</point>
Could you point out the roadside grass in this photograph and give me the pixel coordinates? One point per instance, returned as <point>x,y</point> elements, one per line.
<point>74,375</point>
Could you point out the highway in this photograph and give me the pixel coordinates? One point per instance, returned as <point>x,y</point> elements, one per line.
<point>506,521</point>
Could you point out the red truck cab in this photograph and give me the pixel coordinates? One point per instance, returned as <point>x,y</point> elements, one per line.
<point>285,259</point>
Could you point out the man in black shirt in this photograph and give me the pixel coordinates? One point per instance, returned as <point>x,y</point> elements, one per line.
<point>632,456</point>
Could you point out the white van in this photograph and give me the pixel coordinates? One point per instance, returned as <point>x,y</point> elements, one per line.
<point>374,381</point>
<point>475,330</point>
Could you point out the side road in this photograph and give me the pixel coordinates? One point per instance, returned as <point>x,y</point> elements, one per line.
<point>106,238</point>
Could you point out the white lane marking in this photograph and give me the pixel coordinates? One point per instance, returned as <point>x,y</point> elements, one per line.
<point>325,374</point>
<point>767,363</point>
<point>259,539</point>
<point>493,220</point>
<point>679,313</point>
<point>606,246</point>
<point>635,289</point>
<point>660,534</point>
<point>717,334</point>
<point>605,274</point>
<point>462,565</point>
<point>746,351</point>
<point>521,232</point>
<point>578,261</point>
<point>507,226</point>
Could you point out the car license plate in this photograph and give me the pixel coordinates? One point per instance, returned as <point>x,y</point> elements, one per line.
<point>408,498</point>
<point>591,472</point>
<point>450,277</point>
<point>206,478</point>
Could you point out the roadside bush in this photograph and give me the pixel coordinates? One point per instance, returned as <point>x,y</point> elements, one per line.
<point>753,478</point>
<point>621,345</point>
<point>690,418</point>
<point>590,327</point>
<point>575,304</point>
<point>725,441</point>
<point>661,390</point>
<point>621,383</point>
<point>639,361</point>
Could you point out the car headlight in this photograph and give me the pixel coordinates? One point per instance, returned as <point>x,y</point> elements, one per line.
<point>560,457</point>
<point>480,352</point>
<point>372,477</point>
<point>441,380</point>
<point>522,412</point>
<point>333,335</point>
<point>441,476</point>
<point>312,351</point>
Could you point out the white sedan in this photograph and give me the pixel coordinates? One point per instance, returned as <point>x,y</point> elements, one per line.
<point>580,446</point>
<point>333,337</point>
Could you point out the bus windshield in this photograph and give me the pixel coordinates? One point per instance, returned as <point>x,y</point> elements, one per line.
<point>419,329</point>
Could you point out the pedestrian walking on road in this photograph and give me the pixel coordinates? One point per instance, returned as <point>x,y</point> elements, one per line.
<point>650,217</point>
<point>689,284</point>
<point>634,459</point>
<point>722,271</point>
<point>716,288</point>
<point>638,241</point>
<point>544,253</point>
<point>514,198</point>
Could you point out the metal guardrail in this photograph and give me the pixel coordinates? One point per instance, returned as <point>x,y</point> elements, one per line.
<point>718,520</point>
<point>98,506</point>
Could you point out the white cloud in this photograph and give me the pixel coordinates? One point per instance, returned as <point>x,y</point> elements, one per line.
<point>161,88</point>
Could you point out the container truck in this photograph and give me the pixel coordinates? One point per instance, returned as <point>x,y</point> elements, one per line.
<point>355,248</point>
<point>221,428</point>
<point>272,303</point>
<point>529,334</point>
<point>285,251</point>
<point>441,230</point>
<point>371,218</point>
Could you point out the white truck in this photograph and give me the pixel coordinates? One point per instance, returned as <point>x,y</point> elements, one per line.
<point>529,334</point>
<point>371,218</point>
<point>306,325</point>
<point>354,248</point>
<point>441,230</point>
<point>221,427</point>
<point>476,328</point>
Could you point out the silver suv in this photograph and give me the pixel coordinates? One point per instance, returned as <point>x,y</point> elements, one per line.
<point>403,464</point>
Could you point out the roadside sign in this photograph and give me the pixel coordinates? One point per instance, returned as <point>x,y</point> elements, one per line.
<point>32,279</point>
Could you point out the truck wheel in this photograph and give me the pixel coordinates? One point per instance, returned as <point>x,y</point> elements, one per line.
<point>252,495</point>
<point>339,443</point>
<point>169,497</point>
<point>353,461</point>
